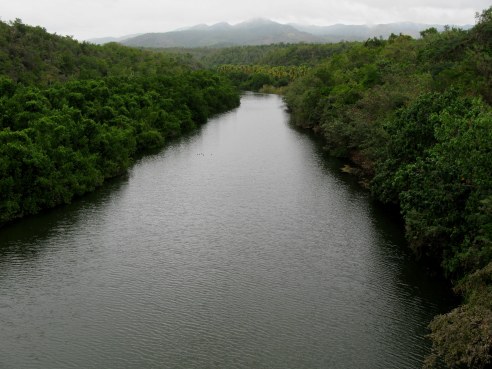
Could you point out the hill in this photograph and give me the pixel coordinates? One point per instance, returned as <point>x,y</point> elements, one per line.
<point>107,40</point>
<point>266,32</point>
<point>347,32</point>
<point>255,32</point>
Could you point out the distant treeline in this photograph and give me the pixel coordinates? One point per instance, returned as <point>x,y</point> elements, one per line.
<point>72,114</point>
<point>272,55</point>
<point>263,67</point>
<point>257,77</point>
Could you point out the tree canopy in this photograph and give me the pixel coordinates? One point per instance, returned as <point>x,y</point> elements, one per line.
<point>74,114</point>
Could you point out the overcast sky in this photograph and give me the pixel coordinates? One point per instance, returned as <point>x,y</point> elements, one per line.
<point>84,19</point>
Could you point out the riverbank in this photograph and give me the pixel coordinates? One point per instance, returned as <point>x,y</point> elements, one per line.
<point>65,129</point>
<point>424,138</point>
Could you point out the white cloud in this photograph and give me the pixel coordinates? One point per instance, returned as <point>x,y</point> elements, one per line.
<point>97,18</point>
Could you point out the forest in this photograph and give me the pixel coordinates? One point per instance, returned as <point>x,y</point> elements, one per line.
<point>74,114</point>
<point>414,119</point>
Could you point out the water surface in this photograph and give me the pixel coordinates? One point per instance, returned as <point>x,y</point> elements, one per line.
<point>240,246</point>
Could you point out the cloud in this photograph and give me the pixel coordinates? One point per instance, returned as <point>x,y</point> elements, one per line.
<point>96,18</point>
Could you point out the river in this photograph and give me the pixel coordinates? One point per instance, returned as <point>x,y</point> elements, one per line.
<point>240,246</point>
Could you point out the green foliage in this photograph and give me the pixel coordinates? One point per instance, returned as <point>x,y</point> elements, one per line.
<point>254,77</point>
<point>267,67</point>
<point>30,55</point>
<point>410,133</point>
<point>271,55</point>
<point>442,180</point>
<point>415,116</point>
<point>482,32</point>
<point>81,113</point>
<point>332,97</point>
<point>429,32</point>
<point>462,338</point>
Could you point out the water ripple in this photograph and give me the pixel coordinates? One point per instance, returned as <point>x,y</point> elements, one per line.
<point>253,255</point>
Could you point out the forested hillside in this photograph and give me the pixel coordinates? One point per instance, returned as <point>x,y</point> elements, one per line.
<point>265,32</point>
<point>72,115</point>
<point>253,32</point>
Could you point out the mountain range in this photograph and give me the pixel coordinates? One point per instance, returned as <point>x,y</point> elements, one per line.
<point>265,32</point>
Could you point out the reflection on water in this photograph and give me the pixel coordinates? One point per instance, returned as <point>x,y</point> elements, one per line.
<point>239,246</point>
<point>23,239</point>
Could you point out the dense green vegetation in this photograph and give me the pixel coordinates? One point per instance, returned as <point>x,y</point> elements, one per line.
<point>267,68</point>
<point>272,55</point>
<point>72,115</point>
<point>415,117</point>
<point>258,77</point>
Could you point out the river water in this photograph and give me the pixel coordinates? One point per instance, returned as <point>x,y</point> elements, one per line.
<point>240,246</point>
